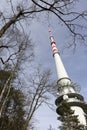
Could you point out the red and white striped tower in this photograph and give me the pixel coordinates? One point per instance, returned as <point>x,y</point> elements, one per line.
<point>66,89</point>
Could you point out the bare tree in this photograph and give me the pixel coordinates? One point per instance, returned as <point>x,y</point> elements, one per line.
<point>13,31</point>
<point>13,44</point>
<point>38,92</point>
<point>61,8</point>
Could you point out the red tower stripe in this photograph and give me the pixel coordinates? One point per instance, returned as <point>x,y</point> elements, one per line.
<point>53,46</point>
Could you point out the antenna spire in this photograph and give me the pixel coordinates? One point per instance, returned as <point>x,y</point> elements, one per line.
<point>50,30</point>
<point>61,72</point>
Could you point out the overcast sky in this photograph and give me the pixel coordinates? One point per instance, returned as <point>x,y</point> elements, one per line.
<point>75,63</point>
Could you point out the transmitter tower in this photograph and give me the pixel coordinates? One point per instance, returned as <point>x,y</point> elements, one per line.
<point>66,88</point>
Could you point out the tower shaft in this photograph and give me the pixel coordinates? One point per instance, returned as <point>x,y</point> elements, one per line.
<point>66,89</point>
<point>61,72</point>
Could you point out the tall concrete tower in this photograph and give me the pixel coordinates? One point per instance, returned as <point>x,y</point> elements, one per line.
<point>66,88</point>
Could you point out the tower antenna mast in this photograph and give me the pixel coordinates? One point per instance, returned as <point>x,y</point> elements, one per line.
<point>66,88</point>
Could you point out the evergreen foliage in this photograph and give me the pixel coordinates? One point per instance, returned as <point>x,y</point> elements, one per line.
<point>12,116</point>
<point>68,119</point>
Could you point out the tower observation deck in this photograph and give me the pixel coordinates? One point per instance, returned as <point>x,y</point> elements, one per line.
<point>66,88</point>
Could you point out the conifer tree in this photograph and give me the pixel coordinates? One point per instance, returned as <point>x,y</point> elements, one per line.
<point>12,115</point>
<point>69,121</point>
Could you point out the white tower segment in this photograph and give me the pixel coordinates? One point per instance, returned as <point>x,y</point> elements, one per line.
<point>66,89</point>
<point>59,64</point>
<point>63,78</point>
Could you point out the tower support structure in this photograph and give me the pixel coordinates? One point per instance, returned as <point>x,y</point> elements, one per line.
<point>66,88</point>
